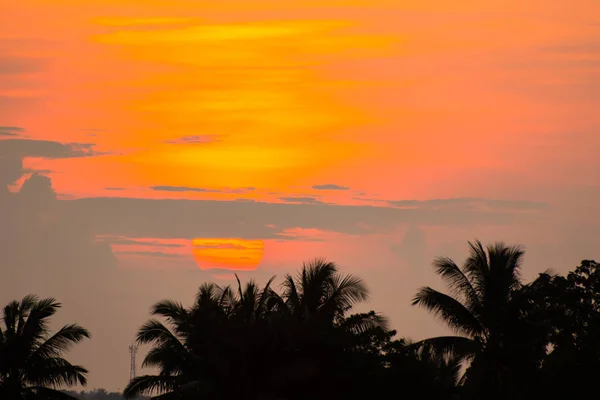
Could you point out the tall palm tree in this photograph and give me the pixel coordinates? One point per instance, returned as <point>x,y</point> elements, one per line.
<point>488,310</point>
<point>31,360</point>
<point>313,308</point>
<point>199,350</point>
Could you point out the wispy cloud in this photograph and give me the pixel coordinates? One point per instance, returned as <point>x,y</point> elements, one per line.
<point>467,203</point>
<point>330,186</point>
<point>302,200</point>
<point>308,235</point>
<point>47,149</point>
<point>195,139</point>
<point>12,131</point>
<point>161,254</point>
<point>251,220</point>
<point>181,189</point>
<point>125,241</point>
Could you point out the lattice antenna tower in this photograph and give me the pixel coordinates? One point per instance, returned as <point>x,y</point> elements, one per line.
<point>133,348</point>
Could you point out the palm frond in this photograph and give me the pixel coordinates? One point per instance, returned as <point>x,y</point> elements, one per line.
<point>456,347</point>
<point>226,299</point>
<point>344,292</point>
<point>505,263</point>
<point>11,317</point>
<point>55,372</point>
<point>450,310</point>
<point>169,360</point>
<point>207,293</point>
<point>290,294</point>
<point>263,297</point>
<point>27,304</point>
<point>169,309</point>
<point>153,331</point>
<point>476,267</point>
<point>364,322</point>
<point>151,384</point>
<point>59,343</point>
<point>458,282</point>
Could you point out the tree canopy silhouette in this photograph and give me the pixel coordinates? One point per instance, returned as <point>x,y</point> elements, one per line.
<point>513,340</point>
<point>31,360</point>
<point>264,342</point>
<point>496,321</point>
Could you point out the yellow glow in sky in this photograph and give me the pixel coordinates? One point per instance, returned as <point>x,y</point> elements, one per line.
<point>228,254</point>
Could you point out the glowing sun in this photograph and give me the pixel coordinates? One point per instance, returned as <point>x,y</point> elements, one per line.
<point>229,254</point>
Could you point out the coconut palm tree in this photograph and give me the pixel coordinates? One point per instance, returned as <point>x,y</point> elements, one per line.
<point>199,351</point>
<point>321,292</point>
<point>313,309</point>
<point>31,360</point>
<point>489,311</point>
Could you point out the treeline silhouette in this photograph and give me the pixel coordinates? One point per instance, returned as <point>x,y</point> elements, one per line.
<point>513,340</point>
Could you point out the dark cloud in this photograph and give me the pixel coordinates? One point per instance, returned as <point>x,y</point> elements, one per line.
<point>181,189</point>
<point>149,254</point>
<point>20,148</point>
<point>302,200</point>
<point>170,218</point>
<point>471,203</point>
<point>45,249</point>
<point>198,139</point>
<point>370,200</point>
<point>330,186</point>
<point>12,131</point>
<point>36,230</point>
<point>291,235</point>
<point>114,188</point>
<point>36,171</point>
<point>166,188</point>
<point>122,241</point>
<point>11,169</point>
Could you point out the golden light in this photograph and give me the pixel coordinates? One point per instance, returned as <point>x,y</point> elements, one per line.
<point>227,253</point>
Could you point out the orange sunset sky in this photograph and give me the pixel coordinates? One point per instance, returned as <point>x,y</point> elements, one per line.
<point>149,146</point>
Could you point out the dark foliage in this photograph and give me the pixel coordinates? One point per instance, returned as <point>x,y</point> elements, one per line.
<point>514,340</point>
<point>257,344</point>
<point>99,394</point>
<point>572,307</point>
<point>31,359</point>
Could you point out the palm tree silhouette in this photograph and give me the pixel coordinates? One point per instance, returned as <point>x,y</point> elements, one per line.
<point>31,360</point>
<point>320,292</point>
<point>313,307</point>
<point>487,309</point>
<point>198,350</point>
<point>251,341</point>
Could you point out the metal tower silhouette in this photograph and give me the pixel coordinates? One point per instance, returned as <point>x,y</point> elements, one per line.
<point>133,348</point>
